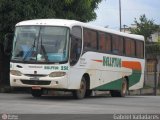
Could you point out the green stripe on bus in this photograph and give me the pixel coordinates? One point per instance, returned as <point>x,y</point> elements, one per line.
<point>135,77</point>
<point>116,84</point>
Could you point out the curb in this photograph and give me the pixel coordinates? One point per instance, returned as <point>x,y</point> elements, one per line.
<point>144,92</point>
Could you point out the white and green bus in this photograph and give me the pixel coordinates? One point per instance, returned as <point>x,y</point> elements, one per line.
<point>57,54</point>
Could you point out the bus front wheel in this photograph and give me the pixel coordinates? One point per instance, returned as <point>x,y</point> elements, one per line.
<point>122,92</point>
<point>80,93</point>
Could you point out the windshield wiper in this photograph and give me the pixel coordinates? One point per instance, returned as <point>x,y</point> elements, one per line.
<point>44,51</point>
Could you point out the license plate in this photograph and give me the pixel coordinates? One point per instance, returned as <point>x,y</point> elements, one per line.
<point>34,78</point>
<point>36,87</point>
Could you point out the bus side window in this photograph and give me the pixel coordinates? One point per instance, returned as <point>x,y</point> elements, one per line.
<point>76,45</point>
<point>115,44</point>
<point>104,42</point>
<point>139,49</point>
<point>90,40</point>
<point>129,47</point>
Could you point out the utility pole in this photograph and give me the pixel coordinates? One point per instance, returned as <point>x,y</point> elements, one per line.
<point>120,15</point>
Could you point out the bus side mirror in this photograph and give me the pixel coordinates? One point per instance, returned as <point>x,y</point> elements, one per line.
<point>8,41</point>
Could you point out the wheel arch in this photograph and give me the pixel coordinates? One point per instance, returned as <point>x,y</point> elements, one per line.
<point>87,79</point>
<point>127,79</point>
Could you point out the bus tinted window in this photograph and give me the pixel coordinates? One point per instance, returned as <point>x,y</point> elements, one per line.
<point>117,45</point>
<point>90,39</point>
<point>129,47</point>
<point>139,49</point>
<point>108,41</point>
<point>104,42</point>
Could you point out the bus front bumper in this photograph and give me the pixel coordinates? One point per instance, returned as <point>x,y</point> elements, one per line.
<point>45,82</point>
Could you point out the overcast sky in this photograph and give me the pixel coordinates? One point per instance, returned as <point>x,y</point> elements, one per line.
<point>108,12</point>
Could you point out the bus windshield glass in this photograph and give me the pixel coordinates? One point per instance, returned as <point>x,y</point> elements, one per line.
<point>40,44</point>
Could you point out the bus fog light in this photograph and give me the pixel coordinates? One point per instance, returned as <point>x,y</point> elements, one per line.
<point>57,74</point>
<point>15,72</point>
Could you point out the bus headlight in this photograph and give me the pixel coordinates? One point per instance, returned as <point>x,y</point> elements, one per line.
<point>57,74</point>
<point>15,72</point>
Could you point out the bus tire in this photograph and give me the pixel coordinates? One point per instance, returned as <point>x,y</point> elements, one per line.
<point>122,92</point>
<point>88,93</point>
<point>36,93</point>
<point>114,93</point>
<point>80,93</point>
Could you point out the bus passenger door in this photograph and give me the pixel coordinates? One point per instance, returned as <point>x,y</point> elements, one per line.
<point>75,52</point>
<point>76,45</point>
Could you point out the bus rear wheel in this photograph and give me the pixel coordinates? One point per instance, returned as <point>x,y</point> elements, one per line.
<point>36,93</point>
<point>80,93</point>
<point>122,92</point>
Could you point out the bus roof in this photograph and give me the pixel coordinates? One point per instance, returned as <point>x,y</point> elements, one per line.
<point>70,23</point>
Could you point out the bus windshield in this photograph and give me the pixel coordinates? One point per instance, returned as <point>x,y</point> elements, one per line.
<point>40,44</point>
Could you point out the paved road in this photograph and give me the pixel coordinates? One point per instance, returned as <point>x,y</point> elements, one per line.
<point>26,104</point>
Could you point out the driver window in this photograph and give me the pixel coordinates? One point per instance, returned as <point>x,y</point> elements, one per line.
<point>76,44</point>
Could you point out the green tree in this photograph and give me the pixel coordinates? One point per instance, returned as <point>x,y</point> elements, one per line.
<point>144,27</point>
<point>158,39</point>
<point>13,11</point>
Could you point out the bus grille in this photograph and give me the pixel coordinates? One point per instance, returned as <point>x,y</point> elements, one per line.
<point>35,82</point>
<point>35,75</point>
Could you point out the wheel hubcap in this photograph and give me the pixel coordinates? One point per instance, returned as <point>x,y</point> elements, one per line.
<point>124,88</point>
